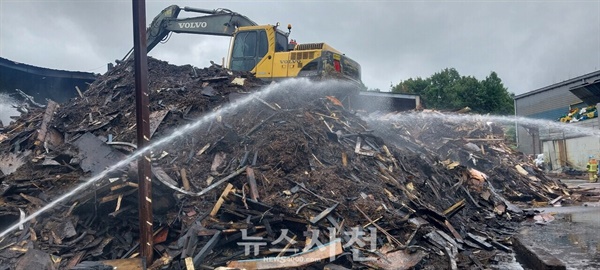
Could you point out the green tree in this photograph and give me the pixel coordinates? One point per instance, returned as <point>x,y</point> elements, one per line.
<point>441,93</point>
<point>411,86</point>
<point>448,90</point>
<point>470,93</point>
<point>498,100</point>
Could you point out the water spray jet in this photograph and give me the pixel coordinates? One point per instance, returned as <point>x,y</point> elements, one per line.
<point>507,120</point>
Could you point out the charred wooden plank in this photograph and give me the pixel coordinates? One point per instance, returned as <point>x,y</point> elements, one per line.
<point>48,115</point>
<point>252,182</point>
<point>480,241</point>
<point>221,200</point>
<point>454,208</point>
<point>207,249</point>
<point>299,260</point>
<point>132,264</point>
<point>184,180</point>
<point>323,214</point>
<point>456,235</point>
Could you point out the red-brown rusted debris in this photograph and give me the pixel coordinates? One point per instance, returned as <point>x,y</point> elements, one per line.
<point>280,183</point>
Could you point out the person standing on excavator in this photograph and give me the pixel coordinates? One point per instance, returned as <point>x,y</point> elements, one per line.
<point>592,168</point>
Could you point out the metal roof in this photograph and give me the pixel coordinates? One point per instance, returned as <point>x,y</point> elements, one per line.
<point>588,92</point>
<point>46,71</point>
<point>577,80</point>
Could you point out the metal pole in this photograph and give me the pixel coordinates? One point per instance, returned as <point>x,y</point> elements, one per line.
<point>143,128</point>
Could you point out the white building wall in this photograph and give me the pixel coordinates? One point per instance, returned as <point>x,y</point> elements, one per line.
<point>551,155</point>
<point>579,150</point>
<point>563,147</point>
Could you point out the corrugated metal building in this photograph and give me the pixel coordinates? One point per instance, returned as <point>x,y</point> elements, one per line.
<point>550,103</point>
<point>42,83</point>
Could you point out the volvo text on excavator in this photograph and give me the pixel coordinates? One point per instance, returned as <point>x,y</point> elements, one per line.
<point>263,50</point>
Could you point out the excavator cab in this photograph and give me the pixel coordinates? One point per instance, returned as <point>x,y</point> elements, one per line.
<point>251,50</point>
<point>265,51</point>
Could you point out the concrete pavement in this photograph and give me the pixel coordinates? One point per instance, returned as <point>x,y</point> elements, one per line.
<point>573,236</point>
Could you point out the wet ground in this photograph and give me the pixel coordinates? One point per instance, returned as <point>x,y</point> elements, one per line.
<point>573,236</point>
<point>508,262</point>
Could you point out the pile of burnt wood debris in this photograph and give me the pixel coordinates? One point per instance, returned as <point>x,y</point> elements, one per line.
<point>257,176</point>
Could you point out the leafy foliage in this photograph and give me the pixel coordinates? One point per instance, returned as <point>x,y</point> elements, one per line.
<point>448,90</point>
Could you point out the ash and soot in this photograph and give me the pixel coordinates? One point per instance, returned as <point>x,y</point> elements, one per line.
<point>234,157</point>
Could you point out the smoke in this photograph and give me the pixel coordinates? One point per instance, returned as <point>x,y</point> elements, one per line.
<point>7,108</point>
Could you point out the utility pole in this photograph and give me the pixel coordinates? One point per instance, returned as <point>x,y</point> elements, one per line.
<point>143,129</point>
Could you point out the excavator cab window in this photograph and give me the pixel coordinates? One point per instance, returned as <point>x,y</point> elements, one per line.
<point>281,42</point>
<point>248,48</point>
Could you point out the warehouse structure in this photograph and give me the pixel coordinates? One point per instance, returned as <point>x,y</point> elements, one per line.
<point>561,147</point>
<point>42,83</point>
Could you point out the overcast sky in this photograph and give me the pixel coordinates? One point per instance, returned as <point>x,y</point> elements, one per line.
<point>530,44</point>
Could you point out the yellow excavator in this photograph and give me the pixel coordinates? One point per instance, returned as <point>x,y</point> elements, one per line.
<point>263,50</point>
<point>266,51</point>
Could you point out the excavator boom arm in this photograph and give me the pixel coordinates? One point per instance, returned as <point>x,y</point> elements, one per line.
<point>218,22</point>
